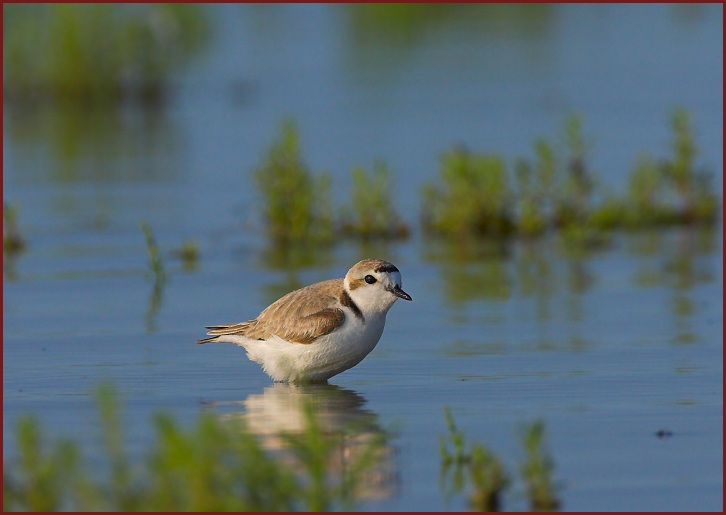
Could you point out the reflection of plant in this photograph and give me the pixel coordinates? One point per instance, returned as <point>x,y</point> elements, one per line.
<point>313,450</point>
<point>372,214</point>
<point>296,202</point>
<point>97,53</point>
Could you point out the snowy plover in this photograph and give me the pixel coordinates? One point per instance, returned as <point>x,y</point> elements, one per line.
<point>316,332</point>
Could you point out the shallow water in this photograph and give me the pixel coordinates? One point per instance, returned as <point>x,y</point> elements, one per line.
<point>607,346</point>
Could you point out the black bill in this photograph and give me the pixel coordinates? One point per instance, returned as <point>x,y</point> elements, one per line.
<point>398,292</point>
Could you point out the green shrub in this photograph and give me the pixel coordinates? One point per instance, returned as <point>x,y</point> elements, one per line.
<point>475,465</point>
<point>698,202</point>
<point>535,190</point>
<point>573,204</point>
<point>296,206</point>
<point>371,213</point>
<point>473,200</point>
<point>189,255</point>
<point>672,191</point>
<point>537,469</point>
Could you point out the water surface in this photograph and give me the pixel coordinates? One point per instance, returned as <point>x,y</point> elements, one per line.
<point>607,346</point>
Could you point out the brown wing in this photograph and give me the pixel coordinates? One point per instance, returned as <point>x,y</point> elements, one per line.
<point>301,316</point>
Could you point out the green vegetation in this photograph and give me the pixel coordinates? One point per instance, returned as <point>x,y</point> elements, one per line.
<point>698,202</point>
<point>483,470</point>
<point>97,53</point>
<point>189,255</point>
<point>216,465</point>
<point>537,469</point>
<point>155,262</point>
<point>407,23</point>
<point>574,194</point>
<point>472,198</point>
<point>485,474</point>
<point>13,242</point>
<point>220,464</point>
<point>158,273</point>
<point>296,209</point>
<point>535,189</point>
<point>475,197</point>
<point>667,192</point>
<point>372,214</point>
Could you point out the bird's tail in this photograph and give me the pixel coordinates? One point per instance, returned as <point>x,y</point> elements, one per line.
<point>221,333</point>
<point>211,339</point>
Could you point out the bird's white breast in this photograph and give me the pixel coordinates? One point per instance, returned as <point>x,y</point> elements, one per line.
<point>325,357</point>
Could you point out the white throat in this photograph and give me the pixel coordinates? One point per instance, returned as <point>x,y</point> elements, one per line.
<point>374,300</point>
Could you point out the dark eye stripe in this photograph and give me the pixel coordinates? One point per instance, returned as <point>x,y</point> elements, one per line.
<point>387,267</point>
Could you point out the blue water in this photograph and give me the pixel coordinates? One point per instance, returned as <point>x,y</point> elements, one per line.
<point>608,347</point>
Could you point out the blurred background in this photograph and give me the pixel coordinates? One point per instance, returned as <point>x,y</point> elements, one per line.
<point>142,143</point>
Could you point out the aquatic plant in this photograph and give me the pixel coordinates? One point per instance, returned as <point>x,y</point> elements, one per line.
<point>13,242</point>
<point>371,213</point>
<point>575,191</point>
<point>535,190</point>
<point>97,53</point>
<point>486,477</point>
<point>214,465</point>
<point>156,266</point>
<point>666,192</point>
<point>475,465</point>
<point>155,262</point>
<point>645,204</point>
<point>407,23</point>
<point>189,255</point>
<point>473,198</point>
<point>698,203</point>
<point>296,205</point>
<point>537,469</point>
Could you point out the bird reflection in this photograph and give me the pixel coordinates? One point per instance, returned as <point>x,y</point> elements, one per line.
<point>341,416</point>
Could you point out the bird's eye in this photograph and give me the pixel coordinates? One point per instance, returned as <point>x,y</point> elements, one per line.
<point>370,279</point>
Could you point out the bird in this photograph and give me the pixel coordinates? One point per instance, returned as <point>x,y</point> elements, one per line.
<point>321,330</point>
